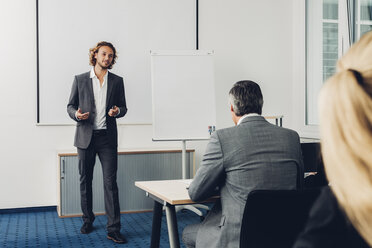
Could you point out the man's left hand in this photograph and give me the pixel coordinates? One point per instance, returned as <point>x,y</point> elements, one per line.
<point>113,111</point>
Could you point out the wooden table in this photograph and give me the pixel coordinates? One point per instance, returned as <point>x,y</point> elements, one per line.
<point>167,193</point>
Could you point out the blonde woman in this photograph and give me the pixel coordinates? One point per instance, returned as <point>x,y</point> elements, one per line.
<point>342,216</point>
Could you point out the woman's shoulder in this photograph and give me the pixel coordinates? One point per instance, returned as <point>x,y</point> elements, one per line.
<point>328,226</point>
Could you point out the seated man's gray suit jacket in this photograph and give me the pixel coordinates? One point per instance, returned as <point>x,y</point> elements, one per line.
<point>253,155</point>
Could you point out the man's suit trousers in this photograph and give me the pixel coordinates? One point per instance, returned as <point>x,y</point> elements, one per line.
<point>108,156</point>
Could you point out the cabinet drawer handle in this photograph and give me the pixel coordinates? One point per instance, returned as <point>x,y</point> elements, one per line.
<point>63,169</point>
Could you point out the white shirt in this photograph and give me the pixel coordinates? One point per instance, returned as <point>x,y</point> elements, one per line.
<point>245,116</point>
<point>100,95</point>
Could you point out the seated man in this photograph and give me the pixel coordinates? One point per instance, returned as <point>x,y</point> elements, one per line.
<point>254,154</point>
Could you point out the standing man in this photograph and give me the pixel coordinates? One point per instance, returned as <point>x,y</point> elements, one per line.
<point>97,99</point>
<point>253,154</point>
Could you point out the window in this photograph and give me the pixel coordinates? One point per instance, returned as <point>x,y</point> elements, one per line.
<point>322,50</point>
<point>363,21</point>
<point>328,36</point>
<point>330,41</point>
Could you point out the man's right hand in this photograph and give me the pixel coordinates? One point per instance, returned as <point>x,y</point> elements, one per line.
<point>80,115</point>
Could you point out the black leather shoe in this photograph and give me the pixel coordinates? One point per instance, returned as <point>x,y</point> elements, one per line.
<point>86,228</point>
<point>117,237</point>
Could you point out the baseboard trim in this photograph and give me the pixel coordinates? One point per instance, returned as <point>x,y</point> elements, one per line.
<point>122,212</point>
<point>28,210</point>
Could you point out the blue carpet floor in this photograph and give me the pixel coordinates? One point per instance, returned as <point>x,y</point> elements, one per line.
<point>46,229</point>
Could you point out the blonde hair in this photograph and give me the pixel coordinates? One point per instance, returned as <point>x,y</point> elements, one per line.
<point>345,109</point>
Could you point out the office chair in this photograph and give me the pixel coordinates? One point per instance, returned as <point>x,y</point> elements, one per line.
<point>274,218</point>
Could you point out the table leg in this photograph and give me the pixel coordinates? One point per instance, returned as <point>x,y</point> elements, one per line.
<point>156,224</point>
<point>174,240</point>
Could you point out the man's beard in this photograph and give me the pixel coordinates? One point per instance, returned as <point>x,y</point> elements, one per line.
<point>104,67</point>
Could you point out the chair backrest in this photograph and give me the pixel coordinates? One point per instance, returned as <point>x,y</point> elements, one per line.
<point>274,218</point>
<point>311,156</point>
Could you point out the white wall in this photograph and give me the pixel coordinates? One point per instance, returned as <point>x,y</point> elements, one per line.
<point>252,40</point>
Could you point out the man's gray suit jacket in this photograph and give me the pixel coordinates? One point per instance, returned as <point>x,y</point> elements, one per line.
<point>82,97</point>
<point>253,155</point>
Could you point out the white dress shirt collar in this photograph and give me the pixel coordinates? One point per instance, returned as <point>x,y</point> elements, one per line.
<point>245,116</point>
<point>93,74</point>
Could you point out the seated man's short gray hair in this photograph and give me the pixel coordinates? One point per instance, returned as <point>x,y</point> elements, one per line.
<point>246,98</point>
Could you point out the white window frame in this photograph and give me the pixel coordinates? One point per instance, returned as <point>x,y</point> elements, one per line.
<point>299,71</point>
<point>299,64</point>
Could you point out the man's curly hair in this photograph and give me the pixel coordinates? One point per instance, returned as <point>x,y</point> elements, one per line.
<point>94,50</point>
